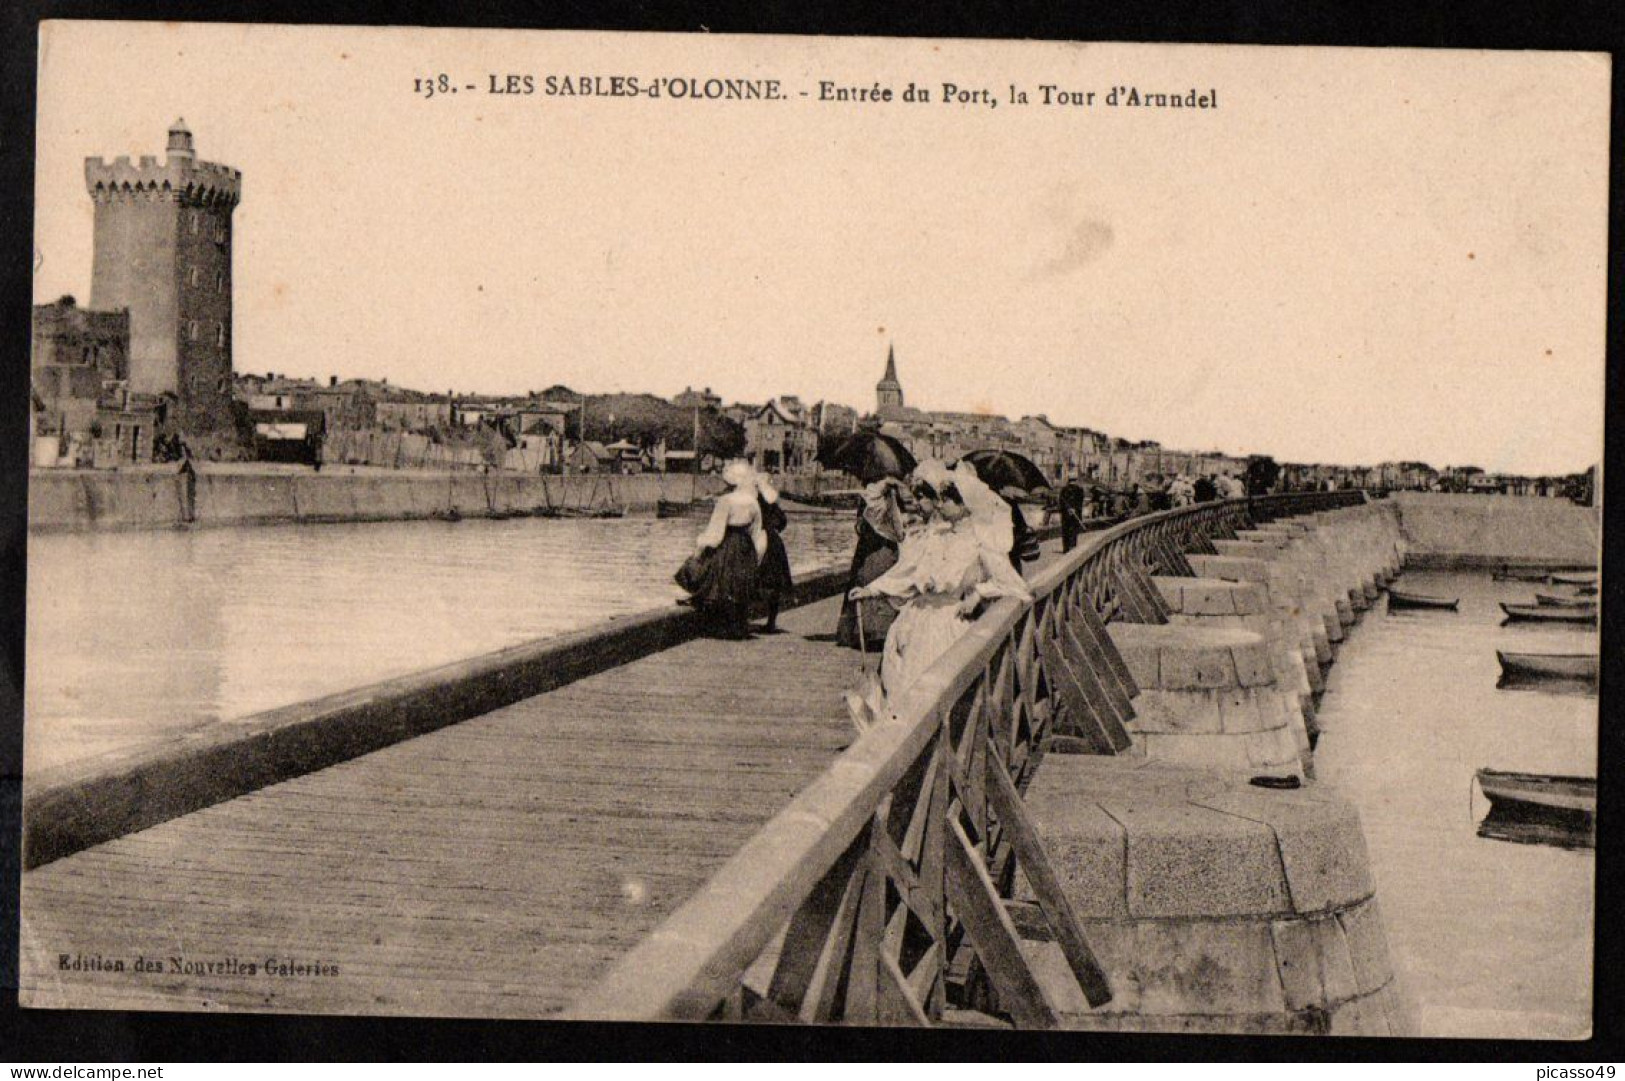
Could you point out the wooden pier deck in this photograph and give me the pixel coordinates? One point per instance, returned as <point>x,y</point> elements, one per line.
<point>494,868</point>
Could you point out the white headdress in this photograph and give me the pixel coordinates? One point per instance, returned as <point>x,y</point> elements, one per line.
<point>933,472</point>
<point>738,473</point>
<point>764,487</point>
<point>990,514</point>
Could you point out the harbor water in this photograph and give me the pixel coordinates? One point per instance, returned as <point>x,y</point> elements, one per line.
<point>135,637</point>
<point>1492,938</point>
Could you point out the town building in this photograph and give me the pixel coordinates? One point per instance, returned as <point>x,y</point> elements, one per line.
<point>698,399</point>
<point>163,253</point>
<point>779,439</point>
<point>83,412</point>
<point>832,421</point>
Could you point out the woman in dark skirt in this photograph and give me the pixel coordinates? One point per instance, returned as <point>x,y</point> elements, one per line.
<point>773,583</point>
<point>723,576</point>
<point>880,531</point>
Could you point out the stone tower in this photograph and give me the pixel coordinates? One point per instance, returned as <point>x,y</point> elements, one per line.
<point>163,251</point>
<point>889,392</point>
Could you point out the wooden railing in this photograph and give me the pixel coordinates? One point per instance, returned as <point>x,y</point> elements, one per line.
<point>885,892</point>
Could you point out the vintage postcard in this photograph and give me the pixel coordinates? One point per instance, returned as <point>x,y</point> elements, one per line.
<point>843,531</point>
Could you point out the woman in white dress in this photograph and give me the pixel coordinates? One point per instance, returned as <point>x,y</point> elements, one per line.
<point>945,573</point>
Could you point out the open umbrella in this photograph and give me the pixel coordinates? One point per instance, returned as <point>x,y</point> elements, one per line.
<point>1003,469</point>
<point>869,456</point>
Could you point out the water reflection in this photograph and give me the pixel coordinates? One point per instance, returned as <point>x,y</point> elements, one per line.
<point>134,637</point>
<point>1495,939</point>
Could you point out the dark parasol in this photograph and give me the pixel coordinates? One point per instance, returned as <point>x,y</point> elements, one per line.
<point>869,456</point>
<point>1002,470</point>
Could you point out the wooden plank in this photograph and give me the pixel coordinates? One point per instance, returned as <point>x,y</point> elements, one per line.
<point>1093,721</point>
<point>997,945</point>
<point>1052,899</point>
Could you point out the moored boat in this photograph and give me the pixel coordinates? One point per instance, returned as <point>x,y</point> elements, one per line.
<point>1574,795</point>
<point>1548,665</point>
<point>670,508</point>
<point>1507,574</point>
<point>1550,600</point>
<point>1574,579</point>
<point>1534,613</point>
<point>1399,598</point>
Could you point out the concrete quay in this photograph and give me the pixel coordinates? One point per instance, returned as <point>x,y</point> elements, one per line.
<point>71,501</point>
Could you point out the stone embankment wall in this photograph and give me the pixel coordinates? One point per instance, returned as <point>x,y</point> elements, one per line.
<point>63,501</point>
<point>1212,903</point>
<point>1476,531</point>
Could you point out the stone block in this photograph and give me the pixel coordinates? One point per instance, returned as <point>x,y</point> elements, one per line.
<point>1368,945</point>
<point>1275,751</point>
<point>1336,965</point>
<point>1190,668</point>
<point>1297,963</point>
<point>1086,847</point>
<point>1240,710</point>
<point>1229,753</point>
<point>1359,1017</point>
<point>1177,711</point>
<point>1252,663</point>
<point>1207,967</point>
<point>1112,942</point>
<point>1322,847</point>
<point>1185,860</point>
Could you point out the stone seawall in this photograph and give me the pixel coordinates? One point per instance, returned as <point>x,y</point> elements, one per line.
<point>1215,904</point>
<point>85,500</point>
<point>1446,531</point>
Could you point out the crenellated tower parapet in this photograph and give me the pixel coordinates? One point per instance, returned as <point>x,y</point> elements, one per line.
<point>184,180</point>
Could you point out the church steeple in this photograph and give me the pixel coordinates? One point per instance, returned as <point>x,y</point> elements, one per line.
<point>889,392</point>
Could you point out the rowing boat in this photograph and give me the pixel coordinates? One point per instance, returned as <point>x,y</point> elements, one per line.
<point>1540,790</point>
<point>1534,613</point>
<point>1548,665</point>
<point>1506,574</point>
<point>1398,598</point>
<point>1550,600</point>
<point>1574,579</point>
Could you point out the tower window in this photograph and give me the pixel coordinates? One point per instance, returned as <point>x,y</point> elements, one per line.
<point>220,335</point>
<point>197,220</point>
<point>220,281</point>
<point>191,330</point>
<point>192,276</point>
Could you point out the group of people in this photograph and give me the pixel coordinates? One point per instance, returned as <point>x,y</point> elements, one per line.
<point>1077,503</point>
<point>933,548</point>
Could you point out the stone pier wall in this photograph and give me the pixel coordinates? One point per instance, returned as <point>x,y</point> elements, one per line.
<point>1474,531</point>
<point>86,500</point>
<point>1215,903</point>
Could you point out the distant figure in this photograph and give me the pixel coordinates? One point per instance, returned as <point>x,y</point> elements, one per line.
<point>188,475</point>
<point>1142,501</point>
<point>1206,492</point>
<point>880,530</point>
<point>722,577</point>
<point>1023,541</point>
<point>773,582</point>
<point>1073,504</point>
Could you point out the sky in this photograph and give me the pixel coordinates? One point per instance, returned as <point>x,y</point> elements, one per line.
<point>1358,256</point>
